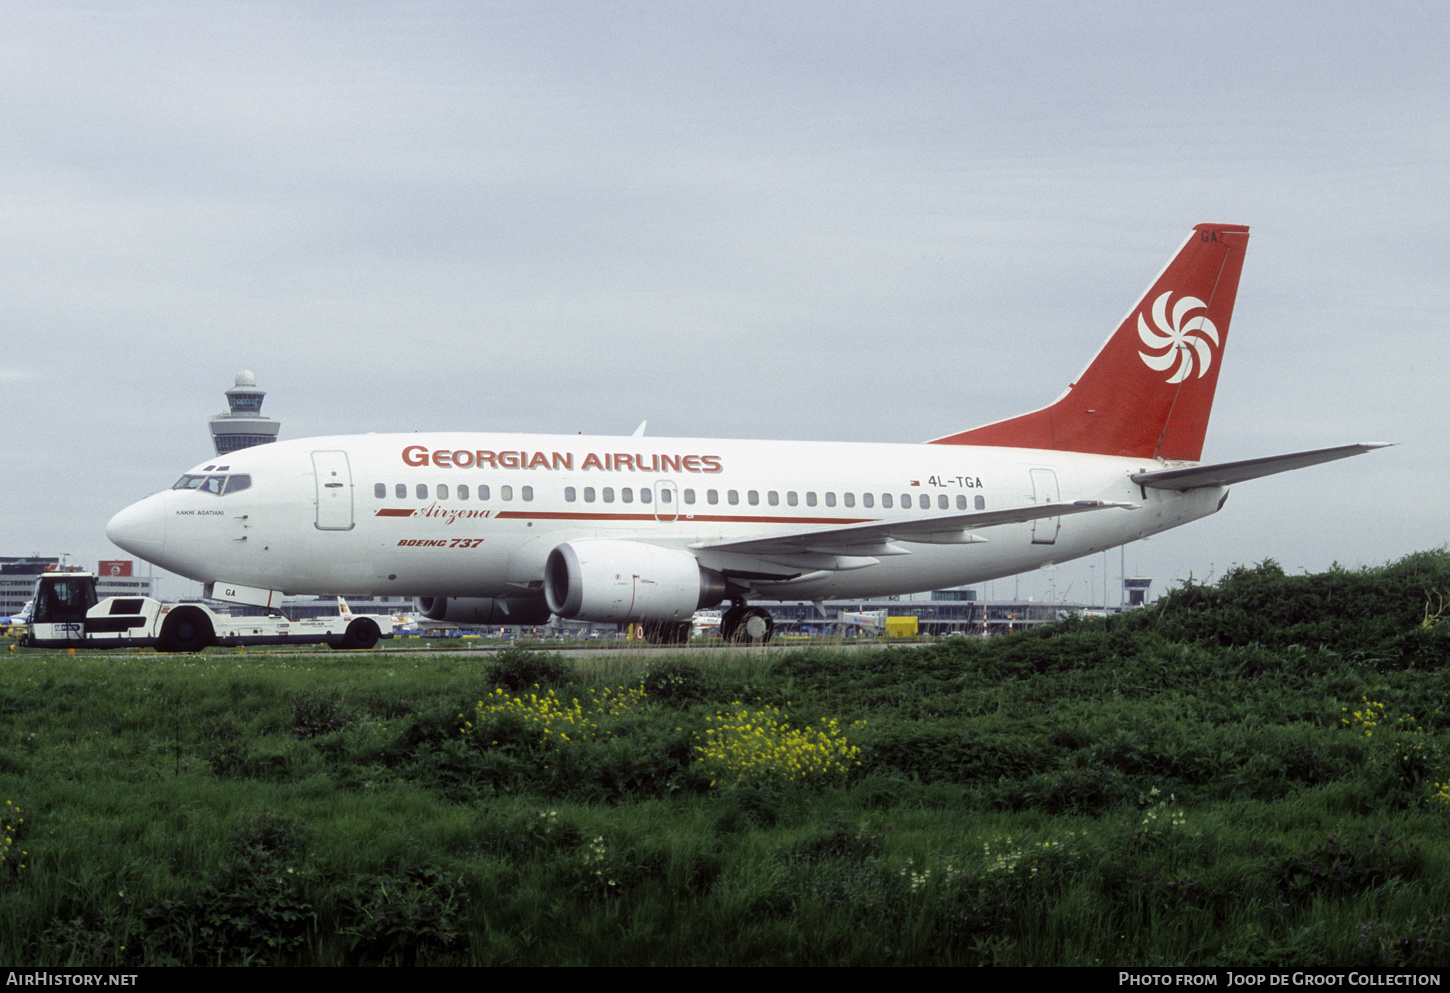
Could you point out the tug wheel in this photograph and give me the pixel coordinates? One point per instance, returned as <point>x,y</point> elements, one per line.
<point>186,630</point>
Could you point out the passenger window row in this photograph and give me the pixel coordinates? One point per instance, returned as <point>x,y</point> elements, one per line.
<point>461,492</point>
<point>606,494</point>
<point>626,494</point>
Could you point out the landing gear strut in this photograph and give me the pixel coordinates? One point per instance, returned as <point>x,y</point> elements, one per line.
<point>745,625</point>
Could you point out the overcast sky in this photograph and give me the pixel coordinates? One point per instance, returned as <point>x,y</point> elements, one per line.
<point>845,221</point>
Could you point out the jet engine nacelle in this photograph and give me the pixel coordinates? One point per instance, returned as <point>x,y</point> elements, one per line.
<point>607,580</point>
<point>524,611</point>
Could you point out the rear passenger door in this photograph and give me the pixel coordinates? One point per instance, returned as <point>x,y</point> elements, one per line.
<point>1044,490</point>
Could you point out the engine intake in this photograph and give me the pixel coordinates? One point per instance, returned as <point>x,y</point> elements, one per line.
<point>609,580</point>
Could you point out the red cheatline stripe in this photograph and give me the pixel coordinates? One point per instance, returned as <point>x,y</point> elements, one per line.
<point>569,515</point>
<point>545,515</point>
<point>521,515</point>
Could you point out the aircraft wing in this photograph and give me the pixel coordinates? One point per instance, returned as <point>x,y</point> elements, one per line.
<point>876,538</point>
<point>1225,473</point>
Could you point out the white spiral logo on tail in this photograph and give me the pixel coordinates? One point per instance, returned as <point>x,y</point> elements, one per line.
<point>1180,341</point>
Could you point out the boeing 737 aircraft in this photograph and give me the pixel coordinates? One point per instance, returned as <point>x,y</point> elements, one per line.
<point>7,624</point>
<point>508,529</point>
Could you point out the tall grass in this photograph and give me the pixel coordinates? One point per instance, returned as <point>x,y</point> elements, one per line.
<point>1190,784</point>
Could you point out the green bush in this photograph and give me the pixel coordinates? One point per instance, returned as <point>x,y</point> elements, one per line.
<point>1187,784</point>
<point>516,669</point>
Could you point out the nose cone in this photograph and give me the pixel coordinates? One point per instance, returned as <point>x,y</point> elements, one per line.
<point>141,528</point>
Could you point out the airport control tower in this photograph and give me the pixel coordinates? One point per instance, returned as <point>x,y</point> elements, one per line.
<point>243,426</point>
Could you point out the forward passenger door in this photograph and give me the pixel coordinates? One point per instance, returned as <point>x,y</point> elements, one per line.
<point>334,491</point>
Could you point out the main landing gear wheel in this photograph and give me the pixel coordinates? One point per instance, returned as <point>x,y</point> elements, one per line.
<point>667,632</point>
<point>747,625</point>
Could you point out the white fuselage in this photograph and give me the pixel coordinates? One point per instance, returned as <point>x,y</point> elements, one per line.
<point>476,515</point>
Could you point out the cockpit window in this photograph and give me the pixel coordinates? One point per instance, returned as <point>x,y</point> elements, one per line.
<point>215,485</point>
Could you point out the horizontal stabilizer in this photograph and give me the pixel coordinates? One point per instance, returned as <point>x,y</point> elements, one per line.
<point>1226,473</point>
<point>944,528</point>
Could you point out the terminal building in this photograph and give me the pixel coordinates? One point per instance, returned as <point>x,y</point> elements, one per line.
<point>947,612</point>
<point>17,580</point>
<point>243,425</point>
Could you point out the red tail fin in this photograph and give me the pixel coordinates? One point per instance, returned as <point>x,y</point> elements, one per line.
<point>1149,391</point>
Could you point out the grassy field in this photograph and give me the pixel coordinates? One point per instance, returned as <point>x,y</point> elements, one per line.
<point>1245,773</point>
